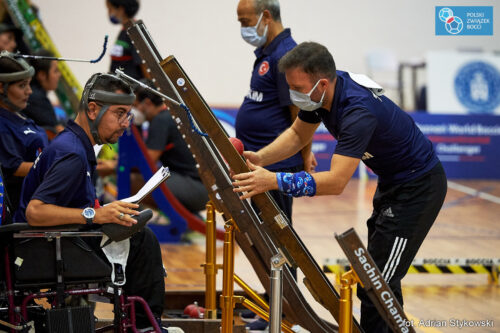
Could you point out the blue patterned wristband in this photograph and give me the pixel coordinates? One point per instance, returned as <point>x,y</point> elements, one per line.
<point>296,184</point>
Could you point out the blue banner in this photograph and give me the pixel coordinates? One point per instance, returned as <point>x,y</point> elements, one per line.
<point>464,20</point>
<point>467,145</point>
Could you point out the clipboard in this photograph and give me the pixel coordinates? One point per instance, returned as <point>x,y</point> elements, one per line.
<point>159,177</point>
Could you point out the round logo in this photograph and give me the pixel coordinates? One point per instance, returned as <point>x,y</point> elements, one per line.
<point>453,24</point>
<point>180,82</point>
<point>477,86</point>
<point>263,68</point>
<point>445,14</point>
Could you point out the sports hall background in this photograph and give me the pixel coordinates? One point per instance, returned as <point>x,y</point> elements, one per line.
<point>205,38</point>
<point>205,35</point>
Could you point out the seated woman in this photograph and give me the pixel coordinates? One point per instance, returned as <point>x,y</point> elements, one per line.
<point>21,139</point>
<point>8,36</point>
<point>46,79</point>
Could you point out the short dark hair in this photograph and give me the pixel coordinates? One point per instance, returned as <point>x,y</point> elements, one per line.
<point>312,58</point>
<point>42,65</point>
<point>5,27</point>
<point>143,93</point>
<point>131,6</point>
<point>106,83</point>
<point>273,6</point>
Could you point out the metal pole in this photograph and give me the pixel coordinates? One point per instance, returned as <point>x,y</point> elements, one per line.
<point>275,303</point>
<point>210,267</point>
<point>251,293</point>
<point>287,328</point>
<point>401,87</point>
<point>348,280</point>
<point>120,73</point>
<point>226,301</point>
<point>285,325</point>
<point>60,270</point>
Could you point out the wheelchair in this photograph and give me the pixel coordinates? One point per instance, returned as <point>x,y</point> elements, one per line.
<point>46,275</point>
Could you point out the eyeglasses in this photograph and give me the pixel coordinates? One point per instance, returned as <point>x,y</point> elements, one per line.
<point>123,117</point>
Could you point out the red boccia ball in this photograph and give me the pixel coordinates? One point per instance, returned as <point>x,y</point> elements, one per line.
<point>197,312</point>
<point>188,309</point>
<point>237,144</point>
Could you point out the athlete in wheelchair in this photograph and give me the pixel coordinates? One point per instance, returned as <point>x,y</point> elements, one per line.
<point>61,251</point>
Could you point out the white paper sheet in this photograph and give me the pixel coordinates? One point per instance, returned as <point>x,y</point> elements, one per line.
<point>159,177</point>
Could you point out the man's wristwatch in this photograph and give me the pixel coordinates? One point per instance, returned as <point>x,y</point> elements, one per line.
<point>89,214</point>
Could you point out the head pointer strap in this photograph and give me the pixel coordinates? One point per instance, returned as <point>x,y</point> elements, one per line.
<point>106,98</point>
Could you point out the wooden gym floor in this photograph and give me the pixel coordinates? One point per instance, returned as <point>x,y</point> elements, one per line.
<point>467,227</point>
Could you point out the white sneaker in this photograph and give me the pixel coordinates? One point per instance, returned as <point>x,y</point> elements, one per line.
<point>163,330</point>
<point>175,330</point>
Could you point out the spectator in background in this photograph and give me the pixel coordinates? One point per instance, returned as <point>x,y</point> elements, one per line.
<point>8,35</point>
<point>124,57</point>
<point>123,54</point>
<point>21,139</point>
<point>165,144</point>
<point>46,79</point>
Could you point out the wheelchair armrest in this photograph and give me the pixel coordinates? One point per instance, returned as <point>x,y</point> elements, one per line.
<point>117,232</point>
<point>25,227</point>
<point>114,231</point>
<point>67,230</point>
<point>13,227</point>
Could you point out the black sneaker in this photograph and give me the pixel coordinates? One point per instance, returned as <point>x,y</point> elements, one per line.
<point>259,325</point>
<point>248,316</point>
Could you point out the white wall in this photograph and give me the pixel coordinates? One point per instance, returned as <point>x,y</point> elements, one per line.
<point>205,37</point>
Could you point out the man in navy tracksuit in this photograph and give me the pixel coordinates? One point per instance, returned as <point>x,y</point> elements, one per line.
<point>368,127</point>
<point>266,110</point>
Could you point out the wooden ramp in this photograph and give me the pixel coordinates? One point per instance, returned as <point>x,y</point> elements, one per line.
<point>466,227</point>
<point>261,236</point>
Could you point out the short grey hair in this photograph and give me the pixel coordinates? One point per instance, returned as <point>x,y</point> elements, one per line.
<point>273,6</point>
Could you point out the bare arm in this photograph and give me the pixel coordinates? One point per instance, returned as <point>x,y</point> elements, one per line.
<point>23,169</point>
<point>106,167</point>
<point>328,182</point>
<point>41,214</point>
<point>306,152</point>
<point>155,154</point>
<point>288,143</point>
<point>335,180</point>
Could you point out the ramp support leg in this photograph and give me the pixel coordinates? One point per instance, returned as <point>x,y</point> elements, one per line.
<point>210,266</point>
<point>348,280</point>
<point>275,305</point>
<point>227,297</point>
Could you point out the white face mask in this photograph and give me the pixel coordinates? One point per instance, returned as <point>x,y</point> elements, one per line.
<point>304,102</point>
<point>251,36</point>
<point>139,117</point>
